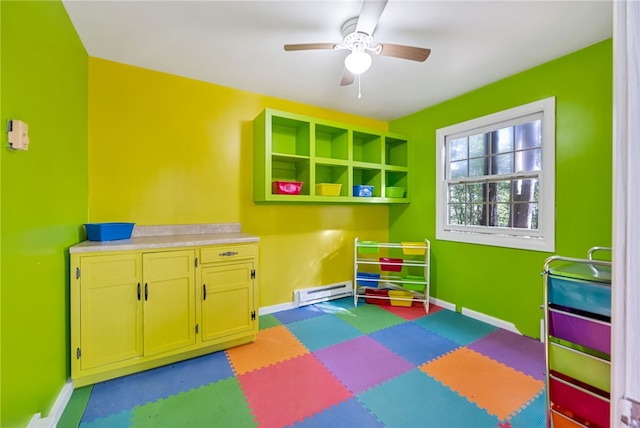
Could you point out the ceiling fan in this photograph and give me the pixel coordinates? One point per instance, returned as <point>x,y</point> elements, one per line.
<point>357,36</point>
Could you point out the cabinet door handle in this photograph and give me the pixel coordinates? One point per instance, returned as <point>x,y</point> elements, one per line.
<point>228,254</point>
<point>146,291</point>
<point>138,291</point>
<point>204,291</point>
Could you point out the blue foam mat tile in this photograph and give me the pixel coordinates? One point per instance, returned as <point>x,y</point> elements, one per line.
<point>307,331</point>
<point>346,414</point>
<point>414,343</point>
<point>397,404</point>
<point>455,326</point>
<point>116,395</point>
<point>532,416</point>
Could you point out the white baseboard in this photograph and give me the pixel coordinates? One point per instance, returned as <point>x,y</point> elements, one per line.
<point>442,303</point>
<point>265,310</point>
<point>51,421</point>
<point>491,320</point>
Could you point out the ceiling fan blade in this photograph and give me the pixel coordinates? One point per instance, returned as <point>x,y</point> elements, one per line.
<point>405,52</point>
<point>370,15</point>
<point>308,46</point>
<point>347,78</point>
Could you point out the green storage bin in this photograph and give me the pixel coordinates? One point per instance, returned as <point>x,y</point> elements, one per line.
<point>368,247</point>
<point>580,366</point>
<point>414,287</point>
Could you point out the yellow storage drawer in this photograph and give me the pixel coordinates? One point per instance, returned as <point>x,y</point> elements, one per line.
<point>227,252</point>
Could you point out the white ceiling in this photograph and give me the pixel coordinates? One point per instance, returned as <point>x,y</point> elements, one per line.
<point>239,44</point>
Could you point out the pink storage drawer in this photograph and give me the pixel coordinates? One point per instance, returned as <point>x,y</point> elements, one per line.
<point>583,331</point>
<point>578,402</point>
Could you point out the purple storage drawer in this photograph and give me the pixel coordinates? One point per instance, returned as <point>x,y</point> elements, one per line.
<point>583,405</point>
<point>580,330</point>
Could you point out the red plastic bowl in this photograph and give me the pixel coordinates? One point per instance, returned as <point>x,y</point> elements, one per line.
<point>286,187</point>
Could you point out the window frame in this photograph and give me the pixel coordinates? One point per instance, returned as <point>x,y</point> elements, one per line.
<point>542,239</point>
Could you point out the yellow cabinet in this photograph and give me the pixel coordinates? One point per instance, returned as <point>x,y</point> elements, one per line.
<point>227,300</point>
<point>169,301</point>
<point>138,309</point>
<point>110,310</point>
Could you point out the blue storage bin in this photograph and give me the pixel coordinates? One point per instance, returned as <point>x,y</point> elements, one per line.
<point>594,297</point>
<point>363,191</point>
<point>108,231</point>
<point>366,279</point>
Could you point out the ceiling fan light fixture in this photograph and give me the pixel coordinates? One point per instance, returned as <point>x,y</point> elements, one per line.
<point>357,62</point>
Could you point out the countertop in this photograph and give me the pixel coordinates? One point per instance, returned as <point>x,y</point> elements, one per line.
<point>170,236</point>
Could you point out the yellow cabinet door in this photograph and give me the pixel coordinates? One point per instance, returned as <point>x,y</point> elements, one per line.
<point>110,310</point>
<point>169,301</point>
<point>227,300</point>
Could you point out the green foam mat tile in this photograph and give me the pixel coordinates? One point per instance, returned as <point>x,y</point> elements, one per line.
<point>370,318</point>
<point>75,407</point>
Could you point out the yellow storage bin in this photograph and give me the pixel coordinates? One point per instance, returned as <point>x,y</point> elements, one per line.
<point>397,295</point>
<point>414,251</point>
<point>328,189</point>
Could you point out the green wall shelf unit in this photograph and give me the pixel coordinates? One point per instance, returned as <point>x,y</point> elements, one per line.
<point>293,147</point>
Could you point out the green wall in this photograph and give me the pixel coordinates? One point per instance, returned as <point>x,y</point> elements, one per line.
<point>44,200</point>
<point>506,283</point>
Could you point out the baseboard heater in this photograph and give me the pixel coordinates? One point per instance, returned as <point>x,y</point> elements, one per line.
<point>309,296</point>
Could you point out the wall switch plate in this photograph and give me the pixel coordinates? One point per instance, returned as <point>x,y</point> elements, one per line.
<point>18,135</point>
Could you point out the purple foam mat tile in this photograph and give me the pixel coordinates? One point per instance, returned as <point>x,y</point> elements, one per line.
<point>519,352</point>
<point>362,363</point>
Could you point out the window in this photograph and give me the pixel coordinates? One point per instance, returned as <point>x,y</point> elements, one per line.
<point>495,179</point>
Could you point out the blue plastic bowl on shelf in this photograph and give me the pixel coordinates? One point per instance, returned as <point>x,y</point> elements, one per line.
<point>363,191</point>
<point>108,231</point>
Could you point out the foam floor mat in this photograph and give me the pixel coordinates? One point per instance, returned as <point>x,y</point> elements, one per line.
<point>336,365</point>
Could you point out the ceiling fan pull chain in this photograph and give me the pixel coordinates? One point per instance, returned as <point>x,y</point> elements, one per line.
<point>359,93</point>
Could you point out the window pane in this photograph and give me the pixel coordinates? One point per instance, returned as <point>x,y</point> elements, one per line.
<point>459,169</point>
<point>457,193</point>
<point>528,135</point>
<point>528,160</point>
<point>503,191</point>
<point>478,145</point>
<point>501,214</point>
<point>478,167</point>
<point>503,164</point>
<point>504,140</point>
<point>456,214</point>
<point>476,192</point>
<point>458,149</point>
<point>525,216</point>
<point>477,215</point>
<point>525,190</point>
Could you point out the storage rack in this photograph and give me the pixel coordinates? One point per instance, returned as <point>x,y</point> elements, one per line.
<point>412,265</point>
<point>577,315</point>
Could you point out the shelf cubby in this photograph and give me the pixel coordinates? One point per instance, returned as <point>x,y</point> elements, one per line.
<point>290,136</point>
<point>336,174</point>
<point>368,177</point>
<point>332,142</point>
<point>291,169</point>
<point>396,151</point>
<point>367,147</point>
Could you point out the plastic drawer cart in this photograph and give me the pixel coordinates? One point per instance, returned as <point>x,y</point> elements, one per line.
<point>395,273</point>
<point>577,311</point>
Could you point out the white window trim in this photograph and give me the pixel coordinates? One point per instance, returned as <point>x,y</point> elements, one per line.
<point>541,240</point>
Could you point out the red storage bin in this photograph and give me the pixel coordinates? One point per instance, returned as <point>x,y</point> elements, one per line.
<point>286,187</point>
<point>379,293</point>
<point>577,402</point>
<point>390,265</point>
